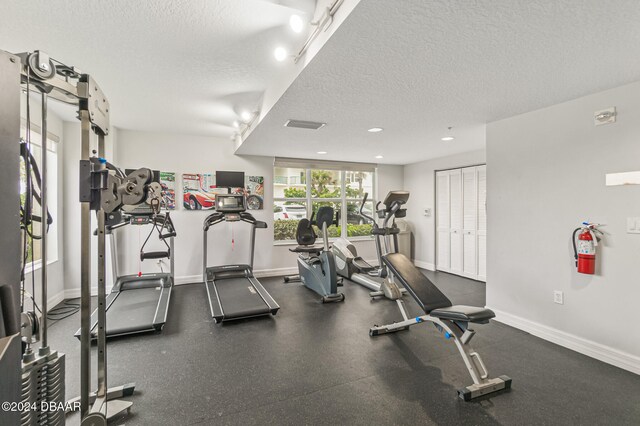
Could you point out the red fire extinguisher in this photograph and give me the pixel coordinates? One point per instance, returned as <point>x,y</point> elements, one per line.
<point>585,250</point>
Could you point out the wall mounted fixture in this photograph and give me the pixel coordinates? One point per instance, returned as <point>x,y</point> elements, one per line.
<point>280,54</point>
<point>321,25</point>
<point>296,23</point>
<point>606,116</point>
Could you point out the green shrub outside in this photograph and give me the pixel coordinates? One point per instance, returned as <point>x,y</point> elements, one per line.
<point>285,229</point>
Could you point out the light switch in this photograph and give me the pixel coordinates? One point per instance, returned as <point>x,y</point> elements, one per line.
<point>633,225</point>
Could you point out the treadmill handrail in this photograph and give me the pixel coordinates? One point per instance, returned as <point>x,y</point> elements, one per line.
<point>213,219</point>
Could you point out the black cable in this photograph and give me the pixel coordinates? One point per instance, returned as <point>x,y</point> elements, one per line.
<point>65,311</point>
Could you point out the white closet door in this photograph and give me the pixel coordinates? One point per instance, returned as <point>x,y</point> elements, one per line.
<point>456,207</point>
<point>482,222</point>
<point>469,221</point>
<point>443,259</point>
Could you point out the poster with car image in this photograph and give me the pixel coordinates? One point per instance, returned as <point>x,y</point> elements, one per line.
<point>253,190</point>
<point>199,191</point>
<point>168,184</point>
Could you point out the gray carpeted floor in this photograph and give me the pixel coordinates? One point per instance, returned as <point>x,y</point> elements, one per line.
<point>316,364</point>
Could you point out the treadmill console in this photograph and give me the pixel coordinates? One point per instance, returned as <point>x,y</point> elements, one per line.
<point>230,203</point>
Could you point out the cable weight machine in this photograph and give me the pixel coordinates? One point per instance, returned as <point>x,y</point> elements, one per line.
<point>104,190</point>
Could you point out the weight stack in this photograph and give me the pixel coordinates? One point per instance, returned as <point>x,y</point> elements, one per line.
<point>42,386</point>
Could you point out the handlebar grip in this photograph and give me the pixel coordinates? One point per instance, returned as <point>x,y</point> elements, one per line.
<point>366,195</point>
<point>168,235</point>
<point>154,255</point>
<point>260,224</point>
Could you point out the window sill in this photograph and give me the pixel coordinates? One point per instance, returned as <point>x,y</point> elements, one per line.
<point>319,241</point>
<point>28,269</point>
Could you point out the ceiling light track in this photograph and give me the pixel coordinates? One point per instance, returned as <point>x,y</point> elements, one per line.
<point>321,24</point>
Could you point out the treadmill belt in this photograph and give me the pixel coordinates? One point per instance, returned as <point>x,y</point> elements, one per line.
<point>239,299</point>
<point>133,310</point>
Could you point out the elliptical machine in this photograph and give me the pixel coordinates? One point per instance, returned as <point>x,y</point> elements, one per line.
<point>316,265</point>
<point>351,266</point>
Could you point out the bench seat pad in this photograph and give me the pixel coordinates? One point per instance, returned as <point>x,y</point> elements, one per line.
<point>463,313</point>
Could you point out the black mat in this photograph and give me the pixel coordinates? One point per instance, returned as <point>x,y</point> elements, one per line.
<point>316,364</point>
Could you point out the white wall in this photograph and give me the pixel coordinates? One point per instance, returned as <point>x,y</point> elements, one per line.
<point>419,179</point>
<point>546,174</point>
<point>193,154</point>
<point>55,270</point>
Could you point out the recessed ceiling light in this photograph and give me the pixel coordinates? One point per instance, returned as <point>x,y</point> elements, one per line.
<point>375,129</point>
<point>296,23</point>
<point>235,124</point>
<point>379,156</point>
<point>246,115</point>
<point>280,54</point>
<point>448,138</point>
<point>322,152</point>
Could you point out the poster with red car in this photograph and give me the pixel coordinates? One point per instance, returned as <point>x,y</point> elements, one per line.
<point>199,191</point>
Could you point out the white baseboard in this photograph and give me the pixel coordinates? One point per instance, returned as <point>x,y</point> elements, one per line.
<point>590,348</point>
<point>185,279</point>
<point>55,299</point>
<point>73,293</point>
<point>277,272</point>
<point>188,279</point>
<point>424,265</point>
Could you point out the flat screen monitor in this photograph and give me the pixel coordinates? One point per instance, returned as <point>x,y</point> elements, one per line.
<point>230,179</point>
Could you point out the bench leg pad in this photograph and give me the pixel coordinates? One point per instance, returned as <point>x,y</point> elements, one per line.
<point>490,386</point>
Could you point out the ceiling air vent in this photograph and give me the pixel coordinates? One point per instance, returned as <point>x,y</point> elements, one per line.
<point>301,124</point>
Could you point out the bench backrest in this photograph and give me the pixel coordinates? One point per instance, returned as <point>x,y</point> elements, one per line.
<point>428,296</point>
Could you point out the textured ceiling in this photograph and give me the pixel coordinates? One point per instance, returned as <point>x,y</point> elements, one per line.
<point>185,66</point>
<point>417,67</point>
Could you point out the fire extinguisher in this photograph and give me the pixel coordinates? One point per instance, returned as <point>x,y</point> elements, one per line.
<point>584,251</point>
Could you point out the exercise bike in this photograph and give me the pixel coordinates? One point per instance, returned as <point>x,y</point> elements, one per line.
<point>316,264</point>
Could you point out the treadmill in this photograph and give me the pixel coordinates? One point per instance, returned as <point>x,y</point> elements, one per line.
<point>138,303</point>
<point>233,292</point>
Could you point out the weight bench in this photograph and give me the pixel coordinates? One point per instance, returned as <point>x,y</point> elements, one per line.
<point>452,320</point>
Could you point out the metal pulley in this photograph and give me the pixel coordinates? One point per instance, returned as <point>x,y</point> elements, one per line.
<point>41,65</point>
<point>134,187</point>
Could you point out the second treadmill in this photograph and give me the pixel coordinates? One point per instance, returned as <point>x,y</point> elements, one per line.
<point>138,303</point>
<point>233,292</point>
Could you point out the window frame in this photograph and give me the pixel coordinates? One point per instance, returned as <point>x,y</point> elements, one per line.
<point>53,141</point>
<point>343,200</point>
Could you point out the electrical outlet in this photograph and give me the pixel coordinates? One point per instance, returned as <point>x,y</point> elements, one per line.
<point>427,212</point>
<point>558,297</point>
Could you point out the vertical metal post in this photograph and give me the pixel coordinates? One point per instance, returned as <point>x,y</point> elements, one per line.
<point>253,245</point>
<point>204,256</point>
<point>44,349</point>
<point>172,262</point>
<point>85,278</point>
<point>114,256</point>
<point>102,307</point>
<point>102,310</point>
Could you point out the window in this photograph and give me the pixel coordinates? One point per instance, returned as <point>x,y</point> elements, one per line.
<point>300,192</point>
<point>33,247</point>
